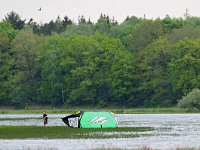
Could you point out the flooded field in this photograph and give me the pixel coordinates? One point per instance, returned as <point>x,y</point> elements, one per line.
<point>171,131</point>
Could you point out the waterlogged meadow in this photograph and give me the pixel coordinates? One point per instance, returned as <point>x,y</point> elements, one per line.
<point>161,131</point>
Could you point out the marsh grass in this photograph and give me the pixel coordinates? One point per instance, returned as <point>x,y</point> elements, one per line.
<point>63,132</point>
<point>63,110</point>
<point>38,148</point>
<point>188,148</point>
<point>144,148</point>
<point>115,148</point>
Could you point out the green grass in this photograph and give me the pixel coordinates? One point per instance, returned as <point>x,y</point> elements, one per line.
<point>60,132</point>
<point>50,110</point>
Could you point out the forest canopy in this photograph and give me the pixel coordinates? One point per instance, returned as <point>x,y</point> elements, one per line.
<point>137,63</point>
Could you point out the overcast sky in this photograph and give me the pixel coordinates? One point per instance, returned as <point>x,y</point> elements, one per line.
<point>120,9</point>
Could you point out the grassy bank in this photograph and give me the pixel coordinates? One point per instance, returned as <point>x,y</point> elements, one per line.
<point>60,132</point>
<point>54,110</point>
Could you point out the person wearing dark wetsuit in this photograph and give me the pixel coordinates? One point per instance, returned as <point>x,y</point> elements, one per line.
<point>45,118</point>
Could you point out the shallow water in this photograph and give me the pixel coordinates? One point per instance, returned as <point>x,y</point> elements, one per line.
<point>30,120</point>
<point>171,131</point>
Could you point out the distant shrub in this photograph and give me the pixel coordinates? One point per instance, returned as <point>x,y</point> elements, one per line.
<point>191,100</point>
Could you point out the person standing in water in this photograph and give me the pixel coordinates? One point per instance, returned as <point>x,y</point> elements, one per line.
<point>45,118</point>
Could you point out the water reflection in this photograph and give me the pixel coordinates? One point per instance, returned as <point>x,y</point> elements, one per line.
<point>172,131</point>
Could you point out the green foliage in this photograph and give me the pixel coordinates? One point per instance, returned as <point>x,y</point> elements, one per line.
<point>7,34</point>
<point>155,87</point>
<point>145,33</point>
<point>83,70</point>
<point>169,23</point>
<point>52,72</point>
<point>24,80</point>
<point>186,31</point>
<point>185,67</point>
<point>15,20</point>
<point>136,63</point>
<point>191,100</point>
<point>124,30</point>
<point>57,26</point>
<point>96,66</point>
<point>193,20</point>
<point>7,29</point>
<point>104,24</point>
<point>81,29</point>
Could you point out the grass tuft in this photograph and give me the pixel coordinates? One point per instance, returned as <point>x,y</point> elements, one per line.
<point>63,132</point>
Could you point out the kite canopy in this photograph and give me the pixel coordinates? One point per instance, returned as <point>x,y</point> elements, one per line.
<point>91,120</point>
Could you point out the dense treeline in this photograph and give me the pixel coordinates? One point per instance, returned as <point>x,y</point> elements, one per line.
<point>137,63</point>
